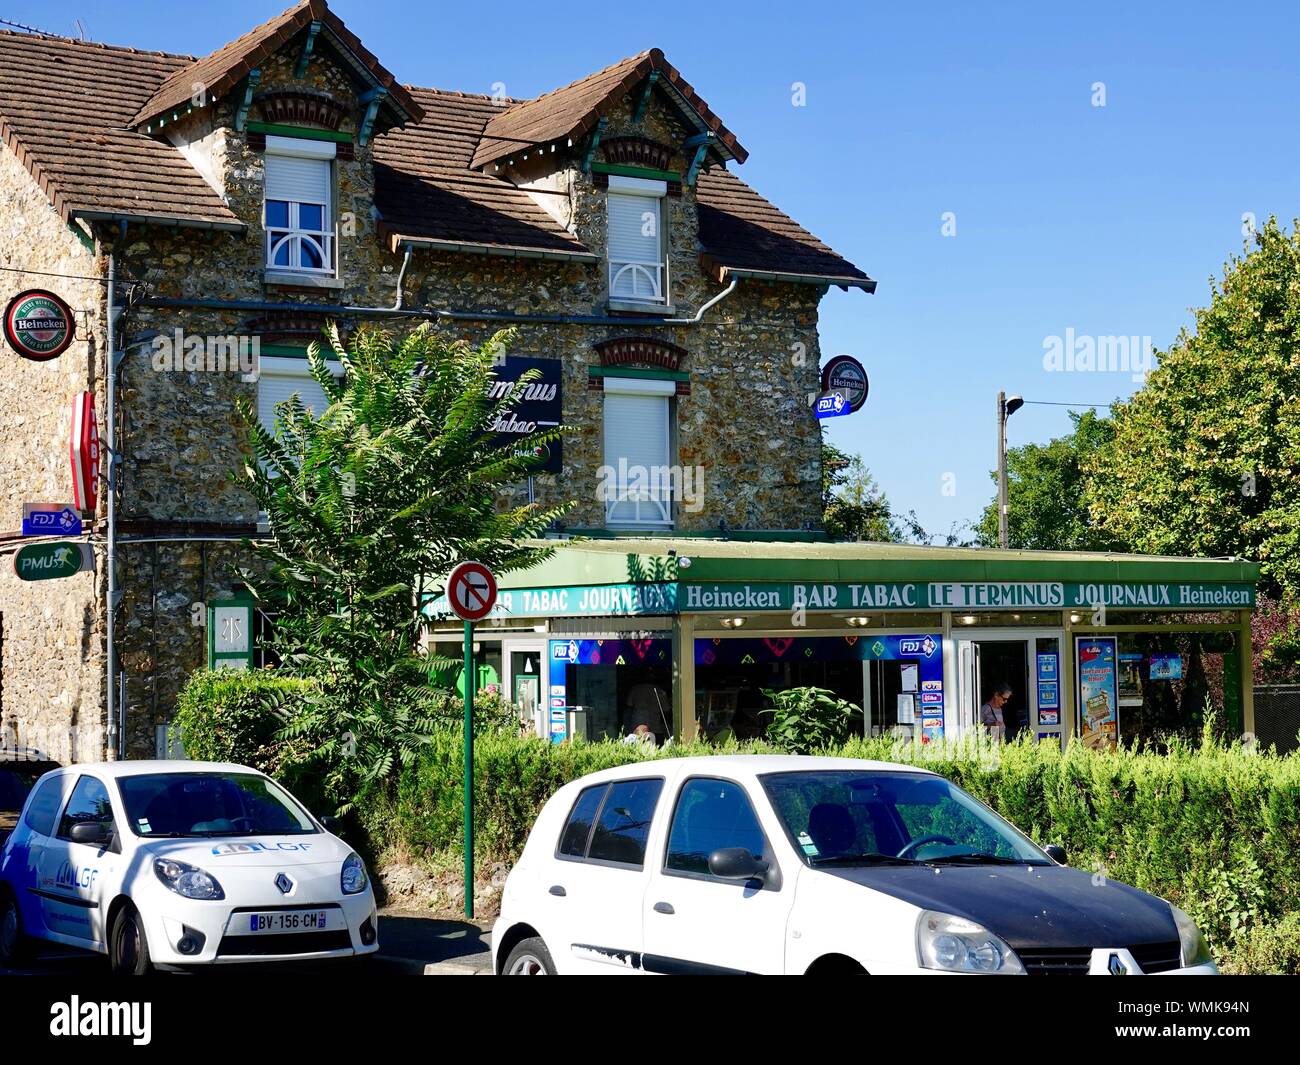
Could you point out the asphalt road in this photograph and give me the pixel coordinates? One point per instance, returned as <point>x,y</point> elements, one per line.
<point>407,942</point>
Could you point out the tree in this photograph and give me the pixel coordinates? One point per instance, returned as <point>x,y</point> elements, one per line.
<point>1046,505</point>
<point>853,506</point>
<point>1204,459</point>
<point>370,503</point>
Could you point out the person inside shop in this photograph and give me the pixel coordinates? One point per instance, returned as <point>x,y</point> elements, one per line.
<point>991,712</point>
<point>646,711</point>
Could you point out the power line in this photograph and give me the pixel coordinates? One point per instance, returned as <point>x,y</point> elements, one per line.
<point>67,277</point>
<point>1058,403</point>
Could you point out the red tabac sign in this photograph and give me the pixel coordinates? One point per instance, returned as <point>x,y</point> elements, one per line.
<point>85,453</point>
<point>38,325</point>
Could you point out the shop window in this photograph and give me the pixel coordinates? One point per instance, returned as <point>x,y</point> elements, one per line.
<point>624,824</point>
<point>638,265</point>
<point>711,815</point>
<point>298,214</point>
<point>637,481</point>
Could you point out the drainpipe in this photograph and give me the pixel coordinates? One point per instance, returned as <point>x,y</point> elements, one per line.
<point>116,738</point>
<point>401,275</point>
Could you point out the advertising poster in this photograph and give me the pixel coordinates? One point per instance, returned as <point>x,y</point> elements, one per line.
<point>1049,689</point>
<point>1166,667</point>
<point>1098,690</point>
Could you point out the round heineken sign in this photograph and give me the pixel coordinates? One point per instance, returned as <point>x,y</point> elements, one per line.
<point>38,325</point>
<point>845,375</point>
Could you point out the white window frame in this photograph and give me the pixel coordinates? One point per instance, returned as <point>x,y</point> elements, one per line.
<point>652,509</point>
<point>294,236</point>
<point>652,276</point>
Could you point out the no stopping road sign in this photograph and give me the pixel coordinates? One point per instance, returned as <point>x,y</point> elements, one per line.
<point>472,591</point>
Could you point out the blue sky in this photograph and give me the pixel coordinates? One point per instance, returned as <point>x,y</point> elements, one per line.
<point>1102,220</point>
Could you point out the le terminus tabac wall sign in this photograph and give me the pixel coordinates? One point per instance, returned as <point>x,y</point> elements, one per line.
<point>38,325</point>
<point>538,409</point>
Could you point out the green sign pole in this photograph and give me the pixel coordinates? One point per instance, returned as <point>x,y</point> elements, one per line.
<point>469,769</point>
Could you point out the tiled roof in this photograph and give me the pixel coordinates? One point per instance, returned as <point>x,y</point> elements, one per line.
<point>225,68</point>
<point>67,108</point>
<point>569,113</point>
<point>426,190</point>
<point>742,231</point>
<point>64,106</point>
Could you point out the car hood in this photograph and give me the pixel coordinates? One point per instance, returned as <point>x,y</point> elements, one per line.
<point>1029,906</point>
<point>251,852</point>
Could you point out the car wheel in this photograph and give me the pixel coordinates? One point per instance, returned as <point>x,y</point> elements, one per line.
<point>128,950</point>
<point>529,958</point>
<point>15,947</point>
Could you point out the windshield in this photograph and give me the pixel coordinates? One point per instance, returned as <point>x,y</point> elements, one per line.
<point>210,804</point>
<point>852,817</point>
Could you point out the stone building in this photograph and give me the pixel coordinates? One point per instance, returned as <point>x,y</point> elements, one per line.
<point>288,179</point>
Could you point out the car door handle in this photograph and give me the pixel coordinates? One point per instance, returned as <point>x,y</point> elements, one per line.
<point>664,907</point>
<point>558,889</point>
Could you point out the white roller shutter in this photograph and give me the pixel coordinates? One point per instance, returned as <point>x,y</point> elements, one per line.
<point>627,241</point>
<point>297,180</point>
<point>278,384</point>
<point>637,444</point>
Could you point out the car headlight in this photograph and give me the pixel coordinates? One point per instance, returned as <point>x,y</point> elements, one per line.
<point>353,879</point>
<point>954,944</point>
<point>187,880</point>
<point>1192,945</point>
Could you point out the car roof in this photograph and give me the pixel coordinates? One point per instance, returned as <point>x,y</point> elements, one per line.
<point>144,767</point>
<point>748,766</point>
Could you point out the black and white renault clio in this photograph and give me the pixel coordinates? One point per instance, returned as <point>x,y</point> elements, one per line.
<point>179,864</point>
<point>771,864</point>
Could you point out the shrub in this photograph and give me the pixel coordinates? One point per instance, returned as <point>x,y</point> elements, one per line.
<point>807,719</point>
<point>1271,949</point>
<point>226,715</point>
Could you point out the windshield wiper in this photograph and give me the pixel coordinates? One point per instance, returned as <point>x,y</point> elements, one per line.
<point>861,859</point>
<point>980,859</point>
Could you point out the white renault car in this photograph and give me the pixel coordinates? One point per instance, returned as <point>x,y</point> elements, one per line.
<point>179,864</point>
<point>780,864</point>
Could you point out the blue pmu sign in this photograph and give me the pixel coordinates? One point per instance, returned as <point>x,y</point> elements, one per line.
<point>539,408</point>
<point>50,519</point>
<point>831,405</point>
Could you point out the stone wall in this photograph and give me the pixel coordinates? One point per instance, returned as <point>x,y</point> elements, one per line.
<point>52,662</point>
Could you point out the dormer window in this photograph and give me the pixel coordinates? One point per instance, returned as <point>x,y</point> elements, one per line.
<point>638,260</point>
<point>299,213</point>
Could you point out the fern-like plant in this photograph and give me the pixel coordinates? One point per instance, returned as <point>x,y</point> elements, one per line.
<point>370,503</point>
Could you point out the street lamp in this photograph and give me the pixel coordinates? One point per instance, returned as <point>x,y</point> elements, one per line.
<point>1007,406</point>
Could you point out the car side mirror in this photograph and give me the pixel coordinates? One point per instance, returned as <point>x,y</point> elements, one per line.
<point>328,823</point>
<point>92,833</point>
<point>736,863</point>
<point>1056,853</point>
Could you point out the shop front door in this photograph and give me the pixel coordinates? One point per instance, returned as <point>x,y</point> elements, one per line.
<point>985,661</point>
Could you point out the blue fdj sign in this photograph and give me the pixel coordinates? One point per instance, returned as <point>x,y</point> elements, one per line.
<point>831,405</point>
<point>538,407</point>
<point>50,519</point>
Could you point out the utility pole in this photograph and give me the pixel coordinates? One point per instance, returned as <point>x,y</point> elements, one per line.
<point>1006,408</point>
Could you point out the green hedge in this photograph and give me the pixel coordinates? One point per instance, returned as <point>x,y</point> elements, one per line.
<point>1214,829</point>
<point>231,716</point>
